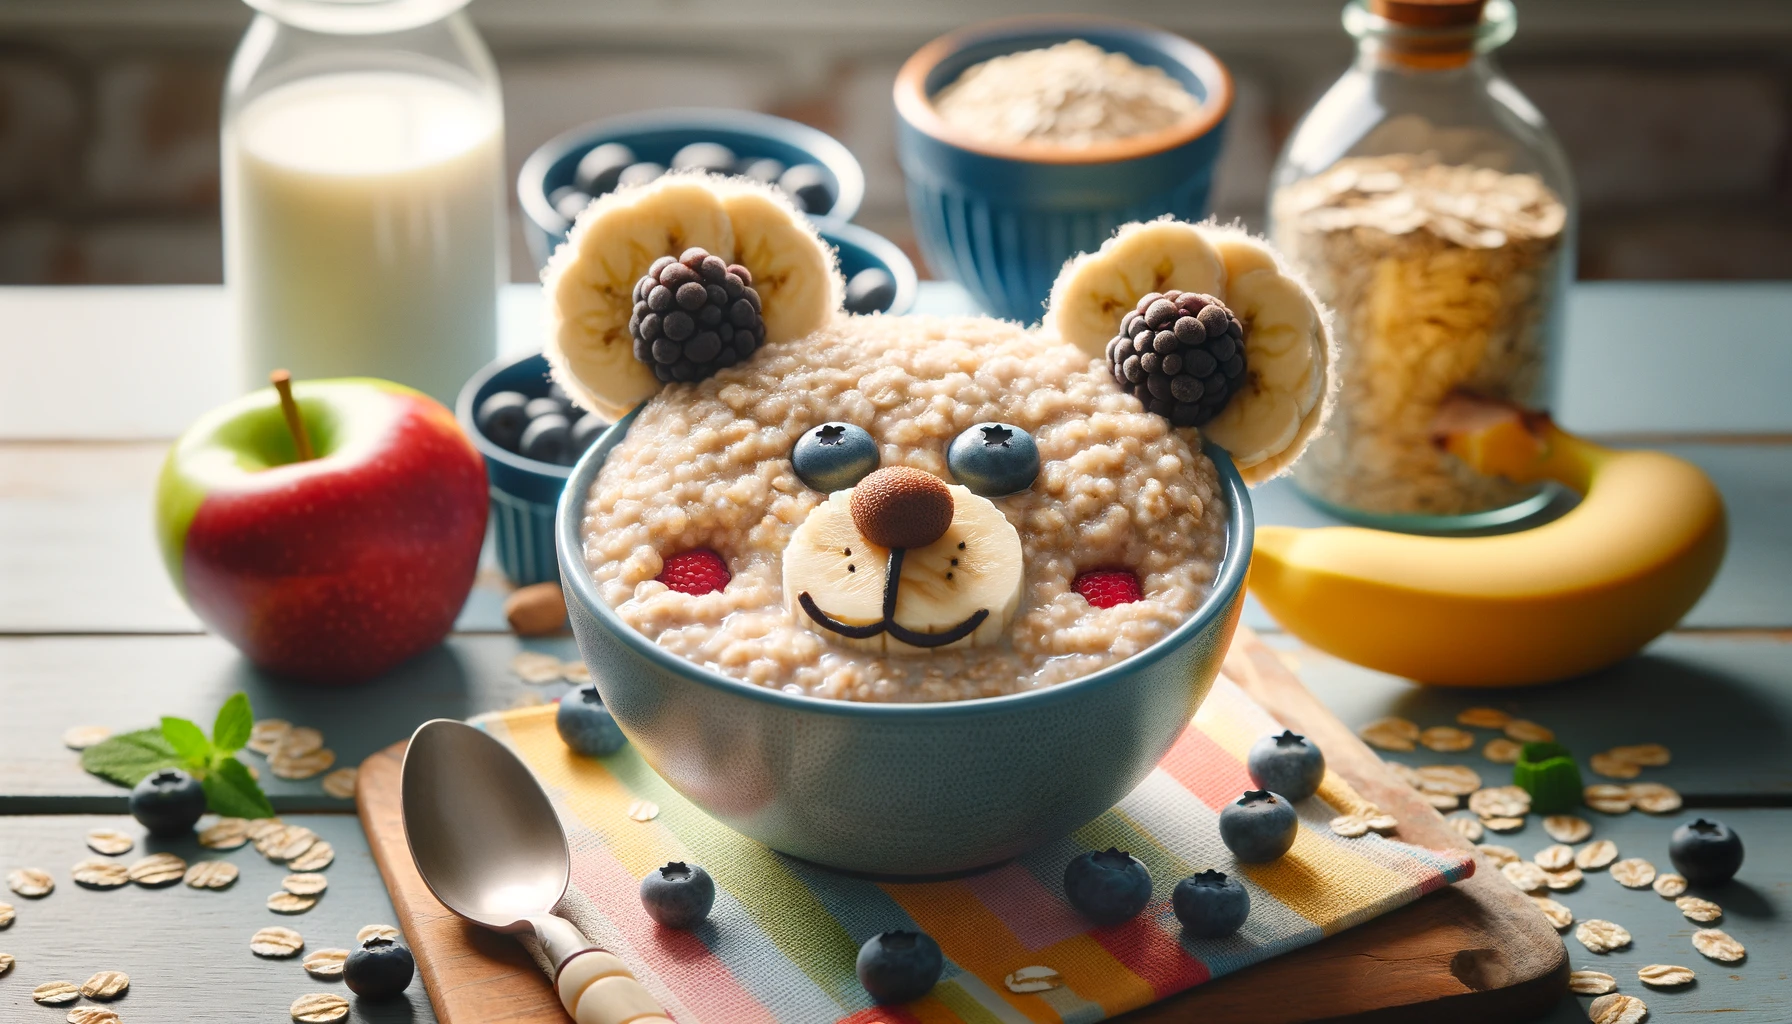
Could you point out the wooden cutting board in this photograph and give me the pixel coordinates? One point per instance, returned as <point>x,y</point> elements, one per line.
<point>1474,952</point>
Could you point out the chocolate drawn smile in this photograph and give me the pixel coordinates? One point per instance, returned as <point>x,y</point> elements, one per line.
<point>888,624</point>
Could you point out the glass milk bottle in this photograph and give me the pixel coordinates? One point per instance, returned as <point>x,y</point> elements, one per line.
<point>364,199</point>
<point>1429,205</point>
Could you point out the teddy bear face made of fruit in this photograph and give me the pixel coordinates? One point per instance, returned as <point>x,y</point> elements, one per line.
<point>915,508</point>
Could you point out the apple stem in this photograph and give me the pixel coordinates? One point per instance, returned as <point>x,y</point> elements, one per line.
<point>282,382</point>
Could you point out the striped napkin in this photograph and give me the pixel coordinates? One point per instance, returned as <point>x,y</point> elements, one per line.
<point>781,942</point>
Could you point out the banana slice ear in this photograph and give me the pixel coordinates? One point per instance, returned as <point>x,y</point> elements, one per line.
<point>796,274</point>
<point>1094,290</point>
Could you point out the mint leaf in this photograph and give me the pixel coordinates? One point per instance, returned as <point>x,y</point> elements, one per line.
<point>233,793</point>
<point>231,730</point>
<point>188,742</point>
<point>129,758</point>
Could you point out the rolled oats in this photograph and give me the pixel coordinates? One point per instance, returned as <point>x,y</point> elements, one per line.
<point>1556,914</point>
<point>1483,718</point>
<point>265,735</point>
<point>284,902</point>
<point>326,963</point>
<point>1595,855</point>
<point>1591,983</point>
<point>1554,857</point>
<point>1527,876</point>
<point>1718,945</point>
<point>92,1015</point>
<point>1669,885</point>
<point>1498,824</point>
<point>1648,755</point>
<point>302,766</point>
<point>1447,738</point>
<point>1617,1009</point>
<point>1601,936</point>
<point>1500,802</point>
<point>1350,825</point>
<point>1033,979</point>
<point>260,827</point>
<point>643,810</point>
<point>536,668</point>
<point>1654,798</point>
<point>1502,751</point>
<point>81,737</point>
<point>1607,799</point>
<point>1633,873</point>
<point>210,874</point>
<point>6,962</point>
<point>31,883</point>
<point>376,931</point>
<point>1382,822</point>
<point>1695,909</point>
<point>285,843</point>
<point>341,783</point>
<point>1499,855</point>
<point>56,993</point>
<point>297,742</point>
<point>1406,773</point>
<point>1612,768</point>
<point>225,834</point>
<point>318,857</point>
<point>276,943</point>
<point>94,873</point>
<point>1442,801</point>
<point>1567,828</point>
<point>1467,826</point>
<point>1526,731</point>
<point>576,672</point>
<point>1665,975</point>
<point>308,883</point>
<point>106,985</point>
<point>1563,880</point>
<point>319,1008</point>
<point>1454,779</point>
<point>109,841</point>
<point>6,914</point>
<point>158,869</point>
<point>1390,733</point>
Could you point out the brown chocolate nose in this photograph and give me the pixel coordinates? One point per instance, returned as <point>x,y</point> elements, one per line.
<point>899,507</point>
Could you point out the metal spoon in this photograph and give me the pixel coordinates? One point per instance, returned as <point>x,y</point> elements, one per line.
<point>489,846</point>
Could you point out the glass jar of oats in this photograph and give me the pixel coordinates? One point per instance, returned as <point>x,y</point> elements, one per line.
<point>1431,208</point>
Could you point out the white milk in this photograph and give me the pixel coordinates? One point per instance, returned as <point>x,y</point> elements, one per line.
<point>364,229</point>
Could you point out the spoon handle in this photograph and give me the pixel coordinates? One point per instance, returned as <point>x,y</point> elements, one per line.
<point>594,986</point>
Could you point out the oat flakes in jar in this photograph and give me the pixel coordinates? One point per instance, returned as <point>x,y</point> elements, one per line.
<point>1431,208</point>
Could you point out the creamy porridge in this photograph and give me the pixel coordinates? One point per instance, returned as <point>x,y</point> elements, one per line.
<point>708,466</point>
<point>1073,94</point>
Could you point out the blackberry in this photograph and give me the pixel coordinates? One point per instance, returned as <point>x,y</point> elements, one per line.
<point>1181,354</point>
<point>695,315</point>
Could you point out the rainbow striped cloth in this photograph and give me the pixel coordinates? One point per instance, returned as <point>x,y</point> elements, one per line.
<point>781,941</point>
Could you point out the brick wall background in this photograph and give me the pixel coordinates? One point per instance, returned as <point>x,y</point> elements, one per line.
<point>1677,113</point>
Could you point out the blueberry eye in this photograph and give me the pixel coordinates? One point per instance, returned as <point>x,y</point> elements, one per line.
<point>993,459</point>
<point>834,456</point>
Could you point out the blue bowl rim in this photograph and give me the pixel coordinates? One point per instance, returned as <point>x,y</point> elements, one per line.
<point>576,579</point>
<point>908,283</point>
<point>914,104</point>
<point>463,411</point>
<point>826,150</point>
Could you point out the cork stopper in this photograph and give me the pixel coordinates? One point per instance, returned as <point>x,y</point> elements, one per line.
<point>1429,13</point>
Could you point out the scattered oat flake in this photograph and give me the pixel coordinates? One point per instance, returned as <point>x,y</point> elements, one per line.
<point>1527,876</point>
<point>1442,801</point>
<point>6,913</point>
<point>1601,936</point>
<point>284,902</point>
<point>1718,945</point>
<point>83,736</point>
<point>326,963</point>
<point>1665,975</point>
<point>262,826</point>
<point>225,834</point>
<point>31,883</point>
<point>1595,855</point>
<point>536,668</point>
<point>1563,880</point>
<point>318,857</point>
<point>1526,731</point>
<point>1558,915</point>
<point>1502,751</point>
<point>109,841</point>
<point>1654,798</point>
<point>1695,909</point>
<point>1567,828</point>
<point>265,735</point>
<point>276,942</point>
<point>319,1008</point>
<point>1591,983</point>
<point>94,873</point>
<point>56,993</point>
<point>576,673</point>
<point>106,985</point>
<point>1669,885</point>
<point>341,783</point>
<point>1607,799</point>
<point>643,810</point>
<point>298,741</point>
<point>287,843</point>
<point>1454,779</point>
<point>1447,738</point>
<point>1499,855</point>
<point>1390,733</point>
<point>1483,718</point>
<point>1612,768</point>
<point>1467,826</point>
<point>302,766</point>
<point>308,883</point>
<point>210,874</point>
<point>1648,755</point>
<point>1503,824</point>
<point>92,1015</point>
<point>1617,1009</point>
<point>1406,773</point>
<point>376,931</point>
<point>1033,979</point>
<point>6,962</point>
<point>1500,802</point>
<point>1633,873</point>
<point>1349,826</point>
<point>1554,857</point>
<point>1382,822</point>
<point>158,869</point>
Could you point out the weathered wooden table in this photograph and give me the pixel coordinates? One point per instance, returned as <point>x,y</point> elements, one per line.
<point>97,380</point>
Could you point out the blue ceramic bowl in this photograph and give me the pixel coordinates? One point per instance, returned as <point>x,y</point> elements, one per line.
<point>900,789</point>
<point>525,492</point>
<point>1001,218</point>
<point>657,134</point>
<point>864,249</point>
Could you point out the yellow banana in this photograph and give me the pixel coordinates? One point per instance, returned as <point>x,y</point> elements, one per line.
<point>1562,599</point>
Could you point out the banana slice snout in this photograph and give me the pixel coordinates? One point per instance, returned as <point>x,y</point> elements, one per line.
<point>959,586</point>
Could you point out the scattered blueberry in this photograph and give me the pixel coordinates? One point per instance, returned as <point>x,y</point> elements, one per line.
<point>501,417</point>
<point>1107,887</point>
<point>809,187</point>
<point>380,969</point>
<point>1259,826</point>
<point>599,169</point>
<point>168,802</point>
<point>870,291</point>
<point>993,459</point>
<point>1287,764</point>
<point>639,174</point>
<point>1707,852</point>
<point>763,169</point>
<point>586,725</point>
<point>678,895</point>
<point>585,430</point>
<point>708,156</point>
<point>547,439</point>
<point>568,202</point>
<point>1210,905</point>
<point>834,456</point>
<point>899,966</point>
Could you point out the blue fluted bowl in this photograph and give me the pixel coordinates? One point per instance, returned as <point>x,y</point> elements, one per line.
<point>524,492</point>
<point>1001,218</point>
<point>900,789</point>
